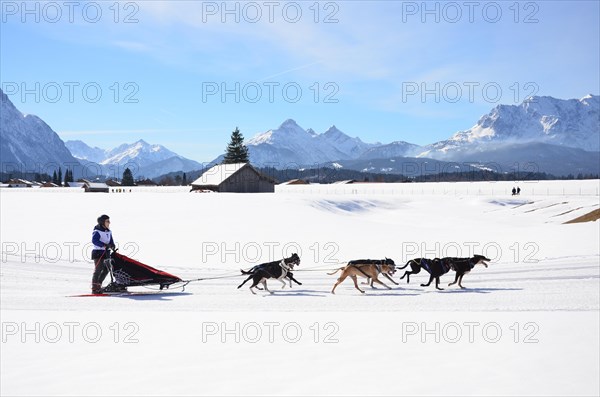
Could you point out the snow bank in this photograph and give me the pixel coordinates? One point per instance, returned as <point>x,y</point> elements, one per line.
<point>527,325</point>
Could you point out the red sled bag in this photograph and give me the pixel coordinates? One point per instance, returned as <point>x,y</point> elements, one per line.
<point>127,272</point>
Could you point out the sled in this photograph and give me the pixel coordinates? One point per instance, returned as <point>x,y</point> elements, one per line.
<point>126,272</point>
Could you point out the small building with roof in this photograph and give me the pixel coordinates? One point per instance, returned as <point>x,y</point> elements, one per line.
<point>234,178</point>
<point>15,182</point>
<point>89,187</point>
<point>95,187</point>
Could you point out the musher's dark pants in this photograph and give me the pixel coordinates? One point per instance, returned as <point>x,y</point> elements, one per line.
<point>100,271</point>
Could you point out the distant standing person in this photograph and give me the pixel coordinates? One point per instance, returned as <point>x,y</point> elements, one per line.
<point>518,190</point>
<point>514,191</point>
<point>102,240</point>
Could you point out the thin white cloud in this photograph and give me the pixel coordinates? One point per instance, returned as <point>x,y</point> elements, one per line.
<point>289,71</point>
<point>360,45</point>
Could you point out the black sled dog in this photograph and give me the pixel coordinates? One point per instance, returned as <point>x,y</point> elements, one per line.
<point>435,267</point>
<point>438,267</point>
<point>463,266</point>
<point>278,270</point>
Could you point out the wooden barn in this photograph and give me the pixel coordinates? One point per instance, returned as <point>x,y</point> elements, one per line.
<point>89,187</point>
<point>19,183</point>
<point>95,187</point>
<point>234,178</point>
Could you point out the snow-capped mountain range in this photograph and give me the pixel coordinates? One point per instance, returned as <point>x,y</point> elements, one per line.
<point>28,144</point>
<point>545,121</point>
<point>573,123</point>
<point>555,129</point>
<point>560,136</point>
<point>291,144</point>
<point>145,159</point>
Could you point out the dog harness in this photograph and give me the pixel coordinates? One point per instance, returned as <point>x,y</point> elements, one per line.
<point>445,265</point>
<point>425,264</point>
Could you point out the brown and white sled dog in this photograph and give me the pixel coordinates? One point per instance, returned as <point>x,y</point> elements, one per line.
<point>367,268</point>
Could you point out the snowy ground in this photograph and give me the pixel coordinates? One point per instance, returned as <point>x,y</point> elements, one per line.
<point>527,325</point>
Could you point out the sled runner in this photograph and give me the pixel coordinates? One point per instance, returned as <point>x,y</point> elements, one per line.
<point>122,294</point>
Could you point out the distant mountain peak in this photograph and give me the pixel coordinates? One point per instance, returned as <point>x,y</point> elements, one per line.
<point>27,141</point>
<point>151,160</point>
<point>80,143</point>
<point>288,123</point>
<point>539,119</point>
<point>290,143</point>
<point>590,100</point>
<point>332,130</point>
<point>4,98</point>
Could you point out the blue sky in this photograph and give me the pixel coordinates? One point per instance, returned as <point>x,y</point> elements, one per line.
<point>382,71</point>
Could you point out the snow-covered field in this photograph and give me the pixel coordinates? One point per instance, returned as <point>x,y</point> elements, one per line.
<point>527,325</point>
